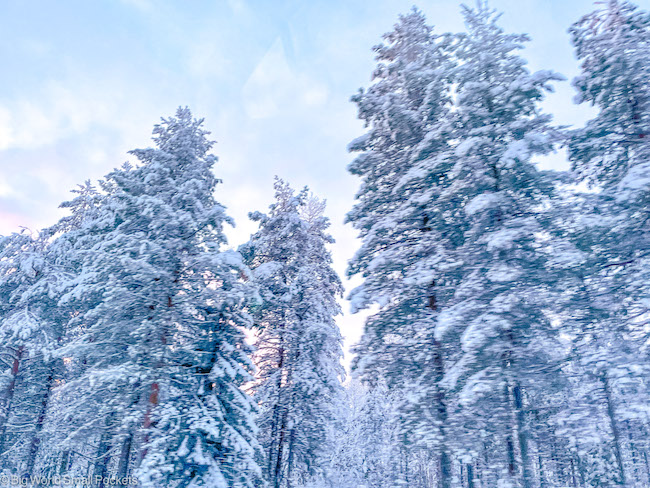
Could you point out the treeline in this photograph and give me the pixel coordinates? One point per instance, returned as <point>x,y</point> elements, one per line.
<point>510,334</point>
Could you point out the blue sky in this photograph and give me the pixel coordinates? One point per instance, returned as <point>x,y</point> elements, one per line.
<point>84,81</point>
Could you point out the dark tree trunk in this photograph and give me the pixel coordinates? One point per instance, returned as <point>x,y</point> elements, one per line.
<point>8,398</point>
<point>277,470</point>
<point>440,400</point>
<point>542,477</point>
<point>101,463</point>
<point>614,427</point>
<point>510,447</point>
<point>445,464</point>
<point>522,437</point>
<point>65,461</point>
<point>38,427</point>
<point>125,456</point>
<point>470,476</point>
<point>573,472</point>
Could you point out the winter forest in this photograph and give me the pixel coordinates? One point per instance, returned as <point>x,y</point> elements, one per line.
<point>506,342</point>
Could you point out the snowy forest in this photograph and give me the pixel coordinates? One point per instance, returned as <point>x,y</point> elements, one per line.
<point>507,338</point>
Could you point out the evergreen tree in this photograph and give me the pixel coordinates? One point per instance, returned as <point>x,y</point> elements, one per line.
<point>32,330</point>
<point>367,449</point>
<point>612,152</point>
<point>460,245</point>
<point>493,196</point>
<point>298,342</point>
<point>577,422</point>
<point>158,345</point>
<point>22,336</point>
<point>407,110</point>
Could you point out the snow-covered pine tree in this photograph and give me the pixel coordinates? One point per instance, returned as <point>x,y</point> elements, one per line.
<point>612,152</point>
<point>576,424</point>
<point>298,343</point>
<point>159,344</point>
<point>407,109</point>
<point>31,326</point>
<point>21,336</point>
<point>64,244</point>
<point>458,228</point>
<point>367,449</point>
<point>495,267</point>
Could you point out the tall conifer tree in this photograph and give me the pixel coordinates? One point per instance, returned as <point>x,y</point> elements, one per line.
<point>160,344</point>
<point>298,342</point>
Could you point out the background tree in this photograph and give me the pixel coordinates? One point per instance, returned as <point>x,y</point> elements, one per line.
<point>298,342</point>
<point>612,153</point>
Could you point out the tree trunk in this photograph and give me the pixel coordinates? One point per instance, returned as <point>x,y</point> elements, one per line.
<point>645,448</point>
<point>522,437</point>
<point>510,445</point>
<point>101,463</point>
<point>274,447</point>
<point>633,451</point>
<point>445,465</point>
<point>40,422</point>
<point>277,471</point>
<point>487,469</point>
<point>65,460</point>
<point>510,448</point>
<point>615,432</point>
<point>542,477</point>
<point>441,406</point>
<point>581,471</point>
<point>559,466</point>
<point>147,422</point>
<point>9,396</point>
<point>573,472</point>
<point>445,469</point>
<point>470,476</point>
<point>125,456</point>
<point>292,436</point>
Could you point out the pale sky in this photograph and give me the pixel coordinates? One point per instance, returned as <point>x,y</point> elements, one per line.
<point>85,81</point>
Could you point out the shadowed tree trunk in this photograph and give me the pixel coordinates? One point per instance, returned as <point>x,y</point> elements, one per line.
<point>8,398</point>
<point>103,455</point>
<point>38,427</point>
<point>522,437</point>
<point>125,456</point>
<point>614,427</point>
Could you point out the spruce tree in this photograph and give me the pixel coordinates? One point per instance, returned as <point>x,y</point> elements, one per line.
<point>493,196</point>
